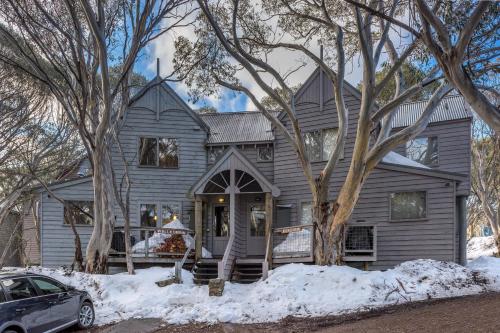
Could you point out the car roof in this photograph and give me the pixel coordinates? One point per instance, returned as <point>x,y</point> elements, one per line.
<point>9,275</point>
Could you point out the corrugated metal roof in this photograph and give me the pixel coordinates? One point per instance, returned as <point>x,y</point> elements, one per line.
<point>451,108</point>
<point>230,127</point>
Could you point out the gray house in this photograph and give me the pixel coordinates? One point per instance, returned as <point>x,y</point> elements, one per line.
<point>236,184</point>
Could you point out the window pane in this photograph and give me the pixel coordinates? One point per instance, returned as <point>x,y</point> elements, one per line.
<point>408,205</point>
<point>359,238</point>
<point>169,212</point>
<point>47,286</point>
<point>221,221</point>
<point>257,221</point>
<point>169,157</point>
<point>312,142</point>
<point>214,153</point>
<point>329,142</point>
<point>148,215</point>
<point>306,213</point>
<point>423,150</point>
<point>19,288</point>
<point>147,151</point>
<point>2,296</point>
<point>265,153</point>
<point>82,212</point>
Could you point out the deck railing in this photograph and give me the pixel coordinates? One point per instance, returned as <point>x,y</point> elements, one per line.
<point>293,242</point>
<point>146,241</point>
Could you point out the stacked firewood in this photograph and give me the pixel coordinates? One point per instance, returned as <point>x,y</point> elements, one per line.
<point>173,244</point>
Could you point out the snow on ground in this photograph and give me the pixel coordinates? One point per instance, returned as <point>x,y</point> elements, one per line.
<point>481,246</point>
<point>290,290</point>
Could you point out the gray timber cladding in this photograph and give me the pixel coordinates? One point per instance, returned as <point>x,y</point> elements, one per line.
<point>433,237</point>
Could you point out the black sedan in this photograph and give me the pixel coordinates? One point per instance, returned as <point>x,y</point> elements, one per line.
<point>31,303</point>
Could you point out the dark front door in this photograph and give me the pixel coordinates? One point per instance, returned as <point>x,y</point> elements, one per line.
<point>220,229</point>
<point>256,230</point>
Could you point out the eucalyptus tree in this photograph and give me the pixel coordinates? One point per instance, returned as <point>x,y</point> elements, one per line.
<point>463,39</point>
<point>70,48</point>
<point>237,37</point>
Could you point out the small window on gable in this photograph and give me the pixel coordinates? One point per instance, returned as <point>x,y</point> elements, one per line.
<point>81,212</point>
<point>423,150</point>
<point>214,152</point>
<point>408,205</point>
<point>360,243</point>
<point>264,154</point>
<point>306,213</point>
<point>158,152</point>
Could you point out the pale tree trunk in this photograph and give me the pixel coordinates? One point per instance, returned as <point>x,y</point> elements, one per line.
<point>78,257</point>
<point>100,241</point>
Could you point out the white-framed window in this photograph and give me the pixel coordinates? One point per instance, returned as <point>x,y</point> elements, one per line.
<point>158,152</point>
<point>170,212</point>
<point>265,154</point>
<point>408,205</point>
<point>214,152</point>
<point>360,243</point>
<point>423,150</point>
<point>321,144</point>
<point>149,214</point>
<point>305,213</point>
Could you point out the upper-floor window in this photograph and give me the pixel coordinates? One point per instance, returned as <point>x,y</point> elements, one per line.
<point>408,205</point>
<point>423,150</point>
<point>264,154</point>
<point>158,152</point>
<point>214,152</point>
<point>320,144</point>
<point>82,212</point>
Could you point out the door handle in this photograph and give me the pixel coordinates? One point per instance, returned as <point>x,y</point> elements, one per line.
<point>20,309</point>
<point>52,302</point>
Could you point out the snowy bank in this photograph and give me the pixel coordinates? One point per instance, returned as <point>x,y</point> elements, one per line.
<point>290,290</point>
<point>481,246</point>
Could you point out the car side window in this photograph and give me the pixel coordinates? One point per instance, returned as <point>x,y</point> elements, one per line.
<point>19,288</point>
<point>47,286</point>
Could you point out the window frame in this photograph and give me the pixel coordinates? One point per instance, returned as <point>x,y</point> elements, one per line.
<point>72,202</point>
<point>157,165</point>
<point>8,294</point>
<point>351,258</point>
<point>213,148</point>
<point>170,203</point>
<point>321,144</point>
<point>140,215</point>
<point>299,212</point>
<point>259,159</point>
<point>425,218</point>
<point>438,153</point>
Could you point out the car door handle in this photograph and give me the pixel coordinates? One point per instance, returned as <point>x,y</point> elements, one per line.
<point>53,302</point>
<point>20,309</point>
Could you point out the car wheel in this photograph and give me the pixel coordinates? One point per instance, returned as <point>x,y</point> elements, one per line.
<point>86,315</point>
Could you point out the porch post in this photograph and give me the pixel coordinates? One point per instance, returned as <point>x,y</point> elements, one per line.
<point>198,227</point>
<point>269,230</point>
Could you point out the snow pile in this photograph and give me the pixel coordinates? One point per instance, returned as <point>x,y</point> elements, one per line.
<point>395,158</point>
<point>159,238</point>
<point>290,290</point>
<point>481,246</point>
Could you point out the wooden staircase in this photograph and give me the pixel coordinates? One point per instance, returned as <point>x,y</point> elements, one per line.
<point>246,272</point>
<point>204,271</point>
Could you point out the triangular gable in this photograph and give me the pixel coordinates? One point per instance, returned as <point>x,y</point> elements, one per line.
<point>146,98</point>
<point>232,158</point>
